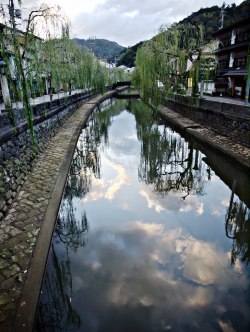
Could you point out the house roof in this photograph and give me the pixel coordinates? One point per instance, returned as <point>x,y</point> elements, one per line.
<point>235,72</point>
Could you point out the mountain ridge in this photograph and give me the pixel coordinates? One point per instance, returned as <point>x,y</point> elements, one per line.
<point>102,48</point>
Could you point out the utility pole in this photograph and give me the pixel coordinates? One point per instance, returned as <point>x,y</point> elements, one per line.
<point>247,93</point>
<point>12,14</point>
<point>222,15</point>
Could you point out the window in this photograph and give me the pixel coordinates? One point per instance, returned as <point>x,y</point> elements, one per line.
<point>240,62</point>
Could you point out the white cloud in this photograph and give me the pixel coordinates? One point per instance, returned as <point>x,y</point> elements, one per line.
<point>126,22</point>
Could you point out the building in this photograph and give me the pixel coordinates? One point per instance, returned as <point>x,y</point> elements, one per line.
<point>10,86</point>
<point>233,47</point>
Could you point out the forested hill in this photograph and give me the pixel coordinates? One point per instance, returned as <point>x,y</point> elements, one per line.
<point>127,56</point>
<point>210,17</point>
<point>102,48</point>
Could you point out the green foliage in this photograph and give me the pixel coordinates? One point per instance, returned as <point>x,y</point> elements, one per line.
<point>128,55</point>
<point>66,64</point>
<point>164,59</point>
<point>210,17</point>
<point>57,61</point>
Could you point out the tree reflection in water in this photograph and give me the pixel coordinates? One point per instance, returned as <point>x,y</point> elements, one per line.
<point>238,228</point>
<point>55,311</point>
<point>168,162</point>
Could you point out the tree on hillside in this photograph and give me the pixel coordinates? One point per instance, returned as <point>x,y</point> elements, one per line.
<point>210,17</point>
<point>127,56</point>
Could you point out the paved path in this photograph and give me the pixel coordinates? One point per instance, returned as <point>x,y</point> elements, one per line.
<point>31,219</point>
<point>46,98</point>
<point>227,100</point>
<point>42,99</point>
<point>19,230</point>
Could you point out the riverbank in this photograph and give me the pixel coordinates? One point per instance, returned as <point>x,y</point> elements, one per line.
<point>26,230</point>
<point>235,152</point>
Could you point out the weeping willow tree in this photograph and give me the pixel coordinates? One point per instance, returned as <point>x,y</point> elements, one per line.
<point>65,65</point>
<point>19,49</point>
<point>52,60</point>
<point>163,61</point>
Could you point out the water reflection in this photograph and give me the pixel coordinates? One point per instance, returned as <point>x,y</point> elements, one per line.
<point>55,310</point>
<point>147,278</point>
<point>238,228</point>
<point>147,254</point>
<point>167,161</point>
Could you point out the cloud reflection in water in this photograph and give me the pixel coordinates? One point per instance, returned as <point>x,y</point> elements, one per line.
<point>144,274</point>
<point>107,189</point>
<point>173,203</point>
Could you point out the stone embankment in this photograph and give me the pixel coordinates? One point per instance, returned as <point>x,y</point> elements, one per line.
<point>225,119</point>
<point>16,153</point>
<point>29,220</point>
<point>236,152</point>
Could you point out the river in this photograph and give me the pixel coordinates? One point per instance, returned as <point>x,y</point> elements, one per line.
<point>153,233</point>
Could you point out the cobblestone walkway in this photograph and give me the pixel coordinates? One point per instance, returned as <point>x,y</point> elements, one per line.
<point>20,228</point>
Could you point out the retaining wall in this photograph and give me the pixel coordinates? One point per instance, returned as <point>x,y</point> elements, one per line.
<point>16,153</point>
<point>232,121</point>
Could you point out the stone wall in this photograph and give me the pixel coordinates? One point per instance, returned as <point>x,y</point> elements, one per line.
<point>4,120</point>
<point>233,123</point>
<point>16,152</point>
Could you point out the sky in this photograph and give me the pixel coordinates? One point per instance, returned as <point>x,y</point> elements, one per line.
<point>125,22</point>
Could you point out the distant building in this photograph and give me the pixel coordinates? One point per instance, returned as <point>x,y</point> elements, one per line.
<point>232,52</point>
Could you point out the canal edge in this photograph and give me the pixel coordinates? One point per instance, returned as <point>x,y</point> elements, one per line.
<point>197,131</point>
<point>26,310</point>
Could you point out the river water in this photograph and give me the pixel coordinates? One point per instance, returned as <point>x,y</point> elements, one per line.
<point>153,233</point>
